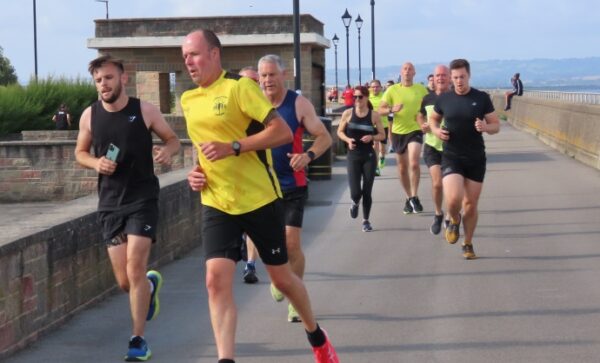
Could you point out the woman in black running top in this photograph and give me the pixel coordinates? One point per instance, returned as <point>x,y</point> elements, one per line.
<point>359,127</point>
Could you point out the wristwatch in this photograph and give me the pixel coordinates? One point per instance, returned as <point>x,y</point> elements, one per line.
<point>311,155</point>
<point>237,148</point>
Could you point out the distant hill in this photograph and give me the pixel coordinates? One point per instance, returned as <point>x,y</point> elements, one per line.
<point>542,73</point>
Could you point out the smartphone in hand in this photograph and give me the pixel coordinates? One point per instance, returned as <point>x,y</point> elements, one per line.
<point>112,153</point>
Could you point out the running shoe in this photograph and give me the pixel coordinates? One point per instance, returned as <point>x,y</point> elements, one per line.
<point>468,252</point>
<point>415,203</point>
<point>353,211</point>
<point>377,172</point>
<point>366,227</point>
<point>408,209</point>
<point>436,226</point>
<point>446,224</point>
<point>325,353</point>
<point>381,162</point>
<point>293,316</point>
<point>138,350</point>
<point>250,274</point>
<point>276,294</point>
<point>453,231</point>
<point>156,279</point>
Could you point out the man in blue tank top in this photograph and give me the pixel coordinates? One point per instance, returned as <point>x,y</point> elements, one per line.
<point>290,160</point>
<point>119,128</point>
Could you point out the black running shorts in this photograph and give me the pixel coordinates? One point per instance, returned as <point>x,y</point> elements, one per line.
<point>469,167</point>
<point>140,219</point>
<point>400,142</point>
<point>265,226</point>
<point>431,156</point>
<point>293,204</point>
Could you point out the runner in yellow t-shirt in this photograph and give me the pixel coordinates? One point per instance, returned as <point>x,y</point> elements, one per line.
<point>233,125</point>
<point>404,100</point>
<point>375,97</point>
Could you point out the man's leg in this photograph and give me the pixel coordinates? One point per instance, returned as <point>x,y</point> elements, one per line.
<point>403,165</point>
<point>294,247</point>
<point>250,270</point>
<point>435,171</point>
<point>470,208</point>
<point>453,185</point>
<point>414,155</point>
<point>223,313</point>
<point>293,288</point>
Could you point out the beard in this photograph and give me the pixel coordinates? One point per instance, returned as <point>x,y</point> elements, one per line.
<point>115,94</point>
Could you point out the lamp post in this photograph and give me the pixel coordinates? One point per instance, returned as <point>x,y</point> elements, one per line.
<point>347,18</point>
<point>35,42</point>
<point>297,77</point>
<point>372,39</point>
<point>335,41</point>
<point>105,3</point>
<point>359,23</point>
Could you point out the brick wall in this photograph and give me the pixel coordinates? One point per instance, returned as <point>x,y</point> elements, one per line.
<point>49,276</point>
<point>47,170</point>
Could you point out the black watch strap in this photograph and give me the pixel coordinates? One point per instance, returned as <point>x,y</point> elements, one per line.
<point>311,155</point>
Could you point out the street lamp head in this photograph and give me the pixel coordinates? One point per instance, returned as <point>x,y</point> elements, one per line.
<point>335,39</point>
<point>359,22</point>
<point>346,18</point>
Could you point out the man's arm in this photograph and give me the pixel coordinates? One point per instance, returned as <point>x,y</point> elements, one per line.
<point>489,124</point>
<point>157,123</point>
<point>276,133</point>
<point>84,142</point>
<point>434,124</point>
<point>305,112</point>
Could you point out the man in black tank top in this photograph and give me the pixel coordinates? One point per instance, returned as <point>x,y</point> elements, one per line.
<point>118,128</point>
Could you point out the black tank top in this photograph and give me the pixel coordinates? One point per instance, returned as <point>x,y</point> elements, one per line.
<point>357,128</point>
<point>133,181</point>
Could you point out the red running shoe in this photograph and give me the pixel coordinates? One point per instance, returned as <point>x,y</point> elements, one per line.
<point>325,353</point>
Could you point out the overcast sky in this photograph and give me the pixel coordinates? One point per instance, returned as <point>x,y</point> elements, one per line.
<point>416,30</point>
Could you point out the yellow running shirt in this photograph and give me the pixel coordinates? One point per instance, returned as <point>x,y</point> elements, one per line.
<point>405,121</point>
<point>375,101</point>
<point>230,109</point>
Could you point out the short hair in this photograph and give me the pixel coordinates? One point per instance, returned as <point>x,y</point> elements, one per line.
<point>430,76</point>
<point>247,68</point>
<point>272,58</point>
<point>102,60</point>
<point>376,81</point>
<point>212,39</point>
<point>460,63</point>
<point>517,75</point>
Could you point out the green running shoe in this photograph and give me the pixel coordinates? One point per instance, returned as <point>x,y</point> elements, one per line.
<point>276,294</point>
<point>156,279</point>
<point>293,316</point>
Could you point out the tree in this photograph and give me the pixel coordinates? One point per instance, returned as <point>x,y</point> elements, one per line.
<point>7,71</point>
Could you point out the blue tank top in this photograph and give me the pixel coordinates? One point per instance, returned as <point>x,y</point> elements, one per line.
<point>288,178</point>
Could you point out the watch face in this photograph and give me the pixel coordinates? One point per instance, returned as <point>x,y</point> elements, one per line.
<point>236,147</point>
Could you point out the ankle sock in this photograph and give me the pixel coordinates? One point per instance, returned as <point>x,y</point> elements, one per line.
<point>316,338</point>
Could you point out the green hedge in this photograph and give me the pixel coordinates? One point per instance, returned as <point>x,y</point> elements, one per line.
<point>31,107</point>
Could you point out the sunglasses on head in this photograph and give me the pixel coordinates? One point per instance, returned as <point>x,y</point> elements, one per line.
<point>358,97</point>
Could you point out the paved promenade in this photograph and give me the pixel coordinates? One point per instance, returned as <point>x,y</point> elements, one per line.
<point>400,294</point>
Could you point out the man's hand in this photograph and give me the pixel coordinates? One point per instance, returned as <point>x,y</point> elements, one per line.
<point>298,161</point>
<point>161,155</point>
<point>425,127</point>
<point>397,108</point>
<point>480,125</point>
<point>442,134</point>
<point>214,151</point>
<point>105,166</point>
<point>197,178</point>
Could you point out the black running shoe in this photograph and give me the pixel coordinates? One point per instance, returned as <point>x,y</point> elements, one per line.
<point>366,227</point>
<point>408,209</point>
<point>416,204</point>
<point>354,210</point>
<point>249,275</point>
<point>436,227</point>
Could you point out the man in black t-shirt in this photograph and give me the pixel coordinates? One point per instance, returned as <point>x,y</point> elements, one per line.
<point>467,114</point>
<point>516,91</point>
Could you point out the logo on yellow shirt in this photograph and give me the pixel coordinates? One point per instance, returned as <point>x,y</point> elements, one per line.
<point>220,105</point>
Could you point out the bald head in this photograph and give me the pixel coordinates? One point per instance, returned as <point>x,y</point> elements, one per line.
<point>407,73</point>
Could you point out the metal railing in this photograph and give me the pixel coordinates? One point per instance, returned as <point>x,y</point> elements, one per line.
<point>570,97</point>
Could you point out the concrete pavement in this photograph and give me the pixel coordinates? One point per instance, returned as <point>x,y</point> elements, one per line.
<point>400,294</point>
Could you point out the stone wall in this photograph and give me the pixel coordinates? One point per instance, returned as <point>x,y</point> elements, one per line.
<point>573,129</point>
<point>46,170</point>
<point>49,276</point>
